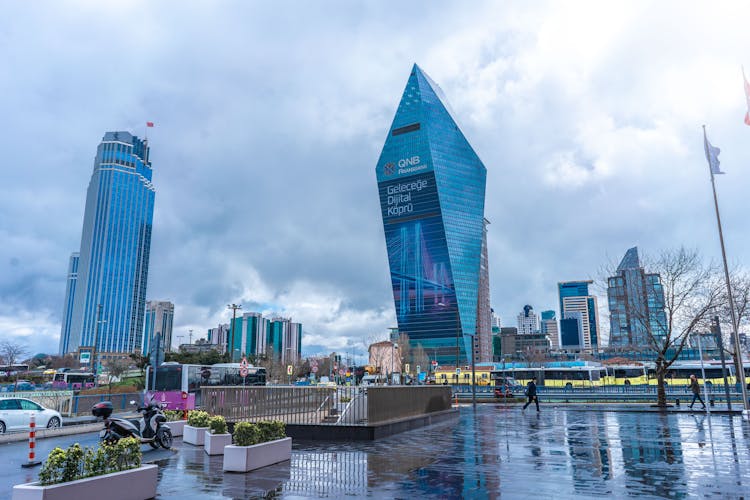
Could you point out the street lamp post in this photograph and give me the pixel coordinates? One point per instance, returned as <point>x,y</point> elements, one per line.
<point>96,338</point>
<point>234,308</point>
<point>393,350</point>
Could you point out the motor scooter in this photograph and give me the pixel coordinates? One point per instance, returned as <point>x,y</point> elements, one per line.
<point>148,429</point>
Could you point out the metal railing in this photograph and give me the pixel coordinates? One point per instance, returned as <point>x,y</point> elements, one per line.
<point>324,405</point>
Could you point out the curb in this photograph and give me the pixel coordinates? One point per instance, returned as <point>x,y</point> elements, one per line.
<point>44,433</point>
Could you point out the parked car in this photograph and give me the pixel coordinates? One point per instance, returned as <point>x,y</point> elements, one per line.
<point>506,387</point>
<point>14,415</point>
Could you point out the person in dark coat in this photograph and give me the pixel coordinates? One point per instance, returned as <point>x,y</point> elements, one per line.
<point>531,394</point>
<point>696,391</point>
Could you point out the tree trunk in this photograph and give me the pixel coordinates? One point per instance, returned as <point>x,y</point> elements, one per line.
<point>661,393</point>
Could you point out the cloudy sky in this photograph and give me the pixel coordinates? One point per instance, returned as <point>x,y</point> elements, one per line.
<point>270,117</point>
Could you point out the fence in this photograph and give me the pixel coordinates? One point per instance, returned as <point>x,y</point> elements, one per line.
<point>324,405</point>
<point>81,405</point>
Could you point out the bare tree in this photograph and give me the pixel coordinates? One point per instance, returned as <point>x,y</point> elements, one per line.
<point>419,358</point>
<point>12,353</point>
<point>692,293</point>
<point>116,367</point>
<point>404,349</point>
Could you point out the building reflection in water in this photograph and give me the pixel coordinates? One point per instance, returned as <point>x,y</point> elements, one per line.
<point>652,456</point>
<point>589,450</point>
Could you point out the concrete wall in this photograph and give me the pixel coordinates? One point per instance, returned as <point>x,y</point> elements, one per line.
<point>390,403</point>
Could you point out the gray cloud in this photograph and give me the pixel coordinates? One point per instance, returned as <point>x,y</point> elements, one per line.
<point>270,118</point>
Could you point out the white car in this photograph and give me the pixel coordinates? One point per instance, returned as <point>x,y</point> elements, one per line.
<point>14,415</point>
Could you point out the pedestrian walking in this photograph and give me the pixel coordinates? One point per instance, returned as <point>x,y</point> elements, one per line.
<point>531,393</point>
<point>696,391</point>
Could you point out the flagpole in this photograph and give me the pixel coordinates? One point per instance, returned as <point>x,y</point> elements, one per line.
<point>735,334</point>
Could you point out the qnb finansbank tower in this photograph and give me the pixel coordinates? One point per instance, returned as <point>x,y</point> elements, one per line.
<point>432,187</point>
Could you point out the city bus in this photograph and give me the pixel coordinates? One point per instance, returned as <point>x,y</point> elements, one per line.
<point>73,380</point>
<point>573,377</point>
<point>622,375</point>
<point>679,374</point>
<point>447,376</point>
<point>178,385</point>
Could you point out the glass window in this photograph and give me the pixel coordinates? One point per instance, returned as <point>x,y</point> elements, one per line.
<point>29,405</point>
<point>9,404</point>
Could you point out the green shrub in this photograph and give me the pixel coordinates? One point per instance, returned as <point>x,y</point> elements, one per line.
<point>198,418</point>
<point>218,425</point>
<point>246,434</point>
<point>77,463</point>
<point>345,399</point>
<point>173,415</point>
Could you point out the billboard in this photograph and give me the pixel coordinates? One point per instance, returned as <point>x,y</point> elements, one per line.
<point>423,289</point>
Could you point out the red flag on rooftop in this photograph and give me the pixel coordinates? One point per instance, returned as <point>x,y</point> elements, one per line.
<point>151,124</point>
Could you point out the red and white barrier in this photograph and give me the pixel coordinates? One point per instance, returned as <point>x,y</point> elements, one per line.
<point>32,444</point>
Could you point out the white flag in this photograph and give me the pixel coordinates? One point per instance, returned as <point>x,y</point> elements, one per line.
<point>712,154</point>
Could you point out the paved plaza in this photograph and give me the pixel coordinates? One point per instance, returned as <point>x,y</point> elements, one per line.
<point>495,452</point>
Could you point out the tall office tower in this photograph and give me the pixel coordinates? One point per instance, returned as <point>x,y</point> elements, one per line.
<point>549,328</point>
<point>70,293</point>
<point>110,293</point>
<point>527,321</point>
<point>432,186</point>
<point>159,319</point>
<point>219,337</point>
<point>575,298</point>
<point>483,339</point>
<point>636,304</point>
<point>251,331</point>
<point>284,337</point>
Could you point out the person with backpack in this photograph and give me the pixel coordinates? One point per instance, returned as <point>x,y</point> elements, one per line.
<point>696,392</point>
<point>531,393</point>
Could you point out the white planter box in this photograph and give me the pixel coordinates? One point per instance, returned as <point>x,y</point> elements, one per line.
<point>130,484</point>
<point>177,427</point>
<point>247,458</point>
<point>194,435</point>
<point>215,443</point>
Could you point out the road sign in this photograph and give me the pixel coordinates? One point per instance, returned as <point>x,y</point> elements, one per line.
<point>434,363</point>
<point>419,369</point>
<point>243,368</point>
<point>341,372</point>
<point>289,369</point>
<point>85,358</point>
<point>406,368</point>
<point>458,371</point>
<point>315,369</point>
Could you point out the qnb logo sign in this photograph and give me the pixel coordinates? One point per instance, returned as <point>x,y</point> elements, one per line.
<point>405,166</point>
<point>408,162</point>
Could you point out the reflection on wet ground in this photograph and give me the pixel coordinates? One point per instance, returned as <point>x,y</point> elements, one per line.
<point>499,451</point>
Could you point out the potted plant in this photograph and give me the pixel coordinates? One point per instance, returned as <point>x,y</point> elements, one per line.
<point>195,430</point>
<point>257,445</point>
<point>217,436</point>
<point>175,421</point>
<point>110,471</point>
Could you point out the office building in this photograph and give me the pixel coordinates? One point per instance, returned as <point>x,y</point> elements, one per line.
<point>70,292</point>
<point>636,304</point>
<point>575,298</point>
<point>159,319</point>
<point>110,293</point>
<point>528,322</point>
<point>483,339</point>
<point>254,335</point>
<point>549,328</point>
<point>432,185</point>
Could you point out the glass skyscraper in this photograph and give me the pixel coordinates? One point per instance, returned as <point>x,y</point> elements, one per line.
<point>159,320</point>
<point>636,304</point>
<point>432,186</point>
<point>115,247</point>
<point>576,303</point>
<point>70,293</point>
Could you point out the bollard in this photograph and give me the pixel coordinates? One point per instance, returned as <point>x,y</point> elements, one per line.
<point>32,444</point>
<point>711,402</point>
<point>677,402</point>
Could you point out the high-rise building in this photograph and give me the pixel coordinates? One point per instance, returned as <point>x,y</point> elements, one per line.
<point>432,187</point>
<point>549,328</point>
<point>159,319</point>
<point>528,322</point>
<point>575,298</point>
<point>285,339</point>
<point>483,338</point>
<point>636,304</point>
<point>70,293</point>
<point>110,294</point>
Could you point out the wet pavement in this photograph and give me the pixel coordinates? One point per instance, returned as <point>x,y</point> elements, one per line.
<point>497,452</point>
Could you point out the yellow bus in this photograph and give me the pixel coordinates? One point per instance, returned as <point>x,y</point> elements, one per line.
<point>679,374</point>
<point>447,376</point>
<point>626,375</point>
<point>574,376</point>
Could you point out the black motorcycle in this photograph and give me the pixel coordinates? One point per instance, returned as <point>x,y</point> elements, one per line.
<point>148,429</point>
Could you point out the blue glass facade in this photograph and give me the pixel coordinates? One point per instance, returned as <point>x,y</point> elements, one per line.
<point>585,306</point>
<point>432,185</point>
<point>159,319</point>
<point>636,304</point>
<point>115,247</point>
<point>70,293</point>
